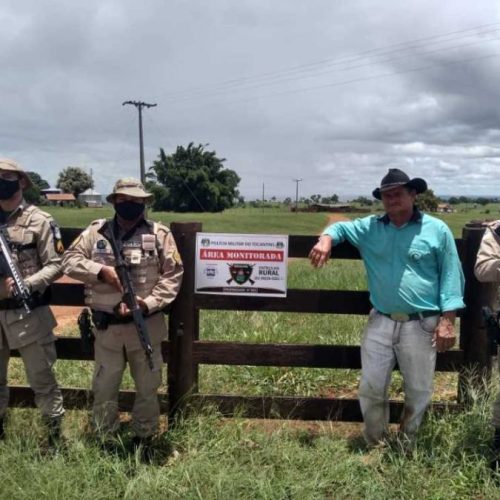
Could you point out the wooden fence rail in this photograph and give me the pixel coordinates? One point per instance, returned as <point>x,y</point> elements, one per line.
<point>184,352</point>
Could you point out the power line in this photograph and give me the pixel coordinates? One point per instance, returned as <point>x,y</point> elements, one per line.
<point>359,79</point>
<point>328,71</point>
<point>289,72</point>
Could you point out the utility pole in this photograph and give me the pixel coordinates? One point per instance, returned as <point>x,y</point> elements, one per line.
<point>139,105</point>
<point>296,194</point>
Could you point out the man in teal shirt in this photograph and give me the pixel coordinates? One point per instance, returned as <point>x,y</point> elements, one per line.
<point>416,285</point>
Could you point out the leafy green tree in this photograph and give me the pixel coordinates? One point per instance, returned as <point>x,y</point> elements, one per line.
<point>363,200</point>
<point>37,181</point>
<point>483,201</point>
<point>33,194</point>
<point>427,201</point>
<point>160,196</point>
<point>330,199</point>
<point>74,180</point>
<point>194,180</point>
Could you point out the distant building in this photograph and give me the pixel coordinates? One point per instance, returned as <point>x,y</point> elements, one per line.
<point>331,207</point>
<point>90,198</point>
<point>60,199</point>
<point>445,208</point>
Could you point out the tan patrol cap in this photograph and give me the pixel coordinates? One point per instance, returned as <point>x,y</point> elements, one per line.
<point>12,166</point>
<point>130,187</point>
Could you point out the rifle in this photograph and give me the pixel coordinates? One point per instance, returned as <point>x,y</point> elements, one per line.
<point>129,297</point>
<point>492,329</point>
<point>21,291</point>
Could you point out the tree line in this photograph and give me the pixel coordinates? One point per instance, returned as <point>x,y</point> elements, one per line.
<point>194,179</point>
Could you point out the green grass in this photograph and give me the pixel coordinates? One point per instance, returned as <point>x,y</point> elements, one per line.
<point>250,220</point>
<point>257,220</point>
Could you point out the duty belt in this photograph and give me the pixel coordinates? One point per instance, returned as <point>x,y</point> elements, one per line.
<point>401,316</point>
<point>103,319</point>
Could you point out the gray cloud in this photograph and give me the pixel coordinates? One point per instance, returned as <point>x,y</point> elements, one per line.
<point>331,92</point>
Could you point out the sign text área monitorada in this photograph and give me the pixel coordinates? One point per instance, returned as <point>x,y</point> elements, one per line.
<point>244,255</point>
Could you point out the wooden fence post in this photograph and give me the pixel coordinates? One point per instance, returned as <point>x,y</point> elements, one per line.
<point>183,324</point>
<point>473,338</point>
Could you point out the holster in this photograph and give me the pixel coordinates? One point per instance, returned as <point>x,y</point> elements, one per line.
<point>100,320</point>
<point>85,324</point>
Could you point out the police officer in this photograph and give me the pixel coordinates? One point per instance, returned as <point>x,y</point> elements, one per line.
<point>36,246</point>
<point>487,270</point>
<point>156,271</point>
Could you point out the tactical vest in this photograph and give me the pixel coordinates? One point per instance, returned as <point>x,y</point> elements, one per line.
<point>24,244</point>
<point>141,254</point>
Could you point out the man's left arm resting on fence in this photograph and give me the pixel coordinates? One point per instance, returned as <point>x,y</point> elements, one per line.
<point>334,234</point>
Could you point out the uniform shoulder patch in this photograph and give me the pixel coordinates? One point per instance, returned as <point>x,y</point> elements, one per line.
<point>177,257</point>
<point>56,233</point>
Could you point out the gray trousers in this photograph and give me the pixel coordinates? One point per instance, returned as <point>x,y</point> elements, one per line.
<point>108,374</point>
<point>410,344</point>
<point>38,359</point>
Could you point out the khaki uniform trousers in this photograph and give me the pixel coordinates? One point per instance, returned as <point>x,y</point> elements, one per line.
<point>38,358</point>
<point>108,373</point>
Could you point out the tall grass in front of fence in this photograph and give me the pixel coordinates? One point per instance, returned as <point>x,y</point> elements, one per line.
<point>237,458</point>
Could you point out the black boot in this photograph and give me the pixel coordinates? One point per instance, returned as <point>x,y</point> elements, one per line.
<point>495,463</point>
<point>2,430</point>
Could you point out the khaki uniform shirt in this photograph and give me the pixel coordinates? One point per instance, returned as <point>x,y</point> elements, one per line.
<point>154,264</point>
<point>487,268</point>
<point>37,251</point>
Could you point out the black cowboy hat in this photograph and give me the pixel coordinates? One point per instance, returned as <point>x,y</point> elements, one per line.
<point>395,178</point>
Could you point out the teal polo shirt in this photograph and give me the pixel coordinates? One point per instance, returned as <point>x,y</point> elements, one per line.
<point>410,268</point>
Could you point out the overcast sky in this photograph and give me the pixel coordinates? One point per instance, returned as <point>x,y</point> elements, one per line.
<point>333,92</point>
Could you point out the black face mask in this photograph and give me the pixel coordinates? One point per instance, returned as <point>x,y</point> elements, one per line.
<point>129,210</point>
<point>8,188</point>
